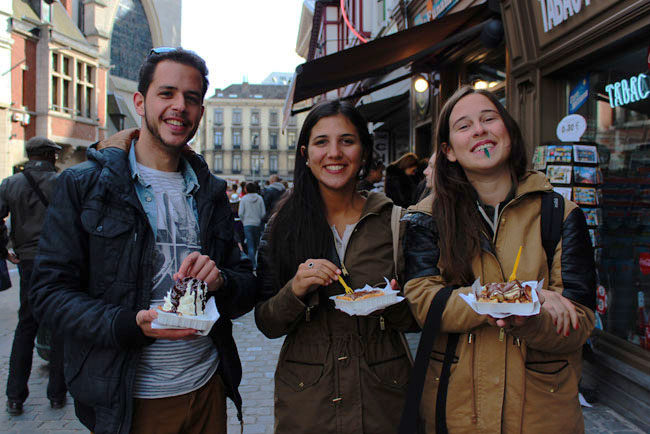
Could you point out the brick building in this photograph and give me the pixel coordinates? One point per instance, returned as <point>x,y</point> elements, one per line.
<point>71,68</point>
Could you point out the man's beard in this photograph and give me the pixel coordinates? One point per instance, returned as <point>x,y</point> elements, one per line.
<point>153,129</point>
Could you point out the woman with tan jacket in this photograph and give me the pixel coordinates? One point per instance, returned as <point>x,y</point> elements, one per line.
<point>517,374</point>
<point>336,373</point>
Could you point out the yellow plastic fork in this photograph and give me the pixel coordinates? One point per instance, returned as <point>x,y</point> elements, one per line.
<point>513,276</point>
<point>348,290</point>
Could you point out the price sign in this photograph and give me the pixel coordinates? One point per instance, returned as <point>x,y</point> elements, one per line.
<point>571,128</point>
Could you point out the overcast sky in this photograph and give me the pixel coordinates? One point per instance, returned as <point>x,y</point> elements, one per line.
<point>240,38</point>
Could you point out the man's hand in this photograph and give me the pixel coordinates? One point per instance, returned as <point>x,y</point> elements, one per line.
<point>12,257</point>
<point>200,267</point>
<point>144,318</point>
<point>121,139</point>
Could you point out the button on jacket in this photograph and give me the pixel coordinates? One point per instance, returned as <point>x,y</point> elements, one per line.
<point>94,273</point>
<point>524,380</point>
<point>27,211</point>
<point>339,373</point>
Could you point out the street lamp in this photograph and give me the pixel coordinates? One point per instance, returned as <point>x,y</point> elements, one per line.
<point>421,84</point>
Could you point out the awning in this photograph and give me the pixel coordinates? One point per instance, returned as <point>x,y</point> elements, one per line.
<point>379,57</point>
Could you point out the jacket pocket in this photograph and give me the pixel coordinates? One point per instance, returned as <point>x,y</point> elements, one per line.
<point>393,372</point>
<point>553,386</point>
<point>301,365</point>
<point>109,240</point>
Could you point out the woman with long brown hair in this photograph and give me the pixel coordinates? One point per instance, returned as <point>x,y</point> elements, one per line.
<point>517,374</point>
<point>336,373</point>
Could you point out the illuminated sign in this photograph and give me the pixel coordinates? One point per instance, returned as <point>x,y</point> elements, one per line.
<point>555,12</point>
<point>627,91</point>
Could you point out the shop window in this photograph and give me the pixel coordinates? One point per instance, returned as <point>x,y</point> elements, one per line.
<point>611,183</point>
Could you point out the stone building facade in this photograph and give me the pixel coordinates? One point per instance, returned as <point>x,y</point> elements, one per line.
<point>241,134</point>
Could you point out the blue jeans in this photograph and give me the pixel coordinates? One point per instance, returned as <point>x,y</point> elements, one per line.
<point>253,234</point>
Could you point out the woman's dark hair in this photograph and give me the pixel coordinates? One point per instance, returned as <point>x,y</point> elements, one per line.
<point>454,204</point>
<point>299,228</point>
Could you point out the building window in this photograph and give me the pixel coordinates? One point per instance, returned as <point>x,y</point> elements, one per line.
<point>236,116</point>
<point>291,140</point>
<point>292,121</point>
<point>255,117</point>
<point>257,164</point>
<point>291,162</point>
<point>73,86</point>
<point>274,118</point>
<point>273,140</point>
<point>236,139</point>
<point>255,139</point>
<point>218,163</point>
<point>236,163</point>
<point>273,163</point>
<point>218,116</point>
<point>218,139</point>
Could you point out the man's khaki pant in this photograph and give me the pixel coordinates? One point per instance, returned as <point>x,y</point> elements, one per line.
<point>199,412</point>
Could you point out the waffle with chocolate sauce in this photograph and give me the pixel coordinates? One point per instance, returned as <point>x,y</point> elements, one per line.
<point>510,292</point>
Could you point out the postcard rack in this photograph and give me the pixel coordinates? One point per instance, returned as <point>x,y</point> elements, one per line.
<point>573,171</point>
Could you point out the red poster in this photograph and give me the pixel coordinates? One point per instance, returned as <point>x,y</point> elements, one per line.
<point>644,262</point>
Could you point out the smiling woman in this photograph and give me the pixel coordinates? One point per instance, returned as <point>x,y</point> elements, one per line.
<point>324,228</point>
<point>486,205</point>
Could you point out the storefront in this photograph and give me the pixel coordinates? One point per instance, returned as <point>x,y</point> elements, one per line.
<point>592,58</point>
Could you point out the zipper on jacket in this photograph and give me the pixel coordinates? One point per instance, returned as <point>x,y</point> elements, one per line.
<point>470,339</point>
<point>382,323</point>
<point>502,334</point>
<point>308,314</point>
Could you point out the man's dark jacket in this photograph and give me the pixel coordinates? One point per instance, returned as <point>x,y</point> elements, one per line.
<point>94,273</point>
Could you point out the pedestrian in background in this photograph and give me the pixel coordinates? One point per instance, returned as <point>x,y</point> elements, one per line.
<point>251,213</point>
<point>375,173</point>
<point>400,183</point>
<point>25,196</point>
<point>516,374</point>
<point>336,373</point>
<point>122,228</point>
<point>425,186</point>
<point>272,195</point>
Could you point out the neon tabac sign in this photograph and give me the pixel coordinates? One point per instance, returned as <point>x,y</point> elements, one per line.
<point>628,90</point>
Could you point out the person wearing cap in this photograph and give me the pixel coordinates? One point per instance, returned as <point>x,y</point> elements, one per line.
<point>24,196</point>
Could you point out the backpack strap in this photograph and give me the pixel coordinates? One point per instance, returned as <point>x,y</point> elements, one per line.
<point>551,224</point>
<point>36,188</point>
<point>395,216</point>
<point>410,415</point>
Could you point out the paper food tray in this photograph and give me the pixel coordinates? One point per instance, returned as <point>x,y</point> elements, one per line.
<point>502,310</point>
<point>202,323</point>
<point>367,306</point>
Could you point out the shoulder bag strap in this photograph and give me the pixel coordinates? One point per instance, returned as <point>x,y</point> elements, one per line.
<point>36,188</point>
<point>410,415</point>
<point>551,223</point>
<point>395,215</point>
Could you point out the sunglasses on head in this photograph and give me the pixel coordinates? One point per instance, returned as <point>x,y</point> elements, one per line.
<point>164,50</point>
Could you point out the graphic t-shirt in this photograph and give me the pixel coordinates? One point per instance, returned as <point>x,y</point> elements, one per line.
<point>170,368</point>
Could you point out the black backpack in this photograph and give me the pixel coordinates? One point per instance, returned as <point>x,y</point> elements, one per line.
<point>551,229</point>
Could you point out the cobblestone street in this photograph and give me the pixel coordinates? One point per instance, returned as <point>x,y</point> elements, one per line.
<point>258,356</point>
